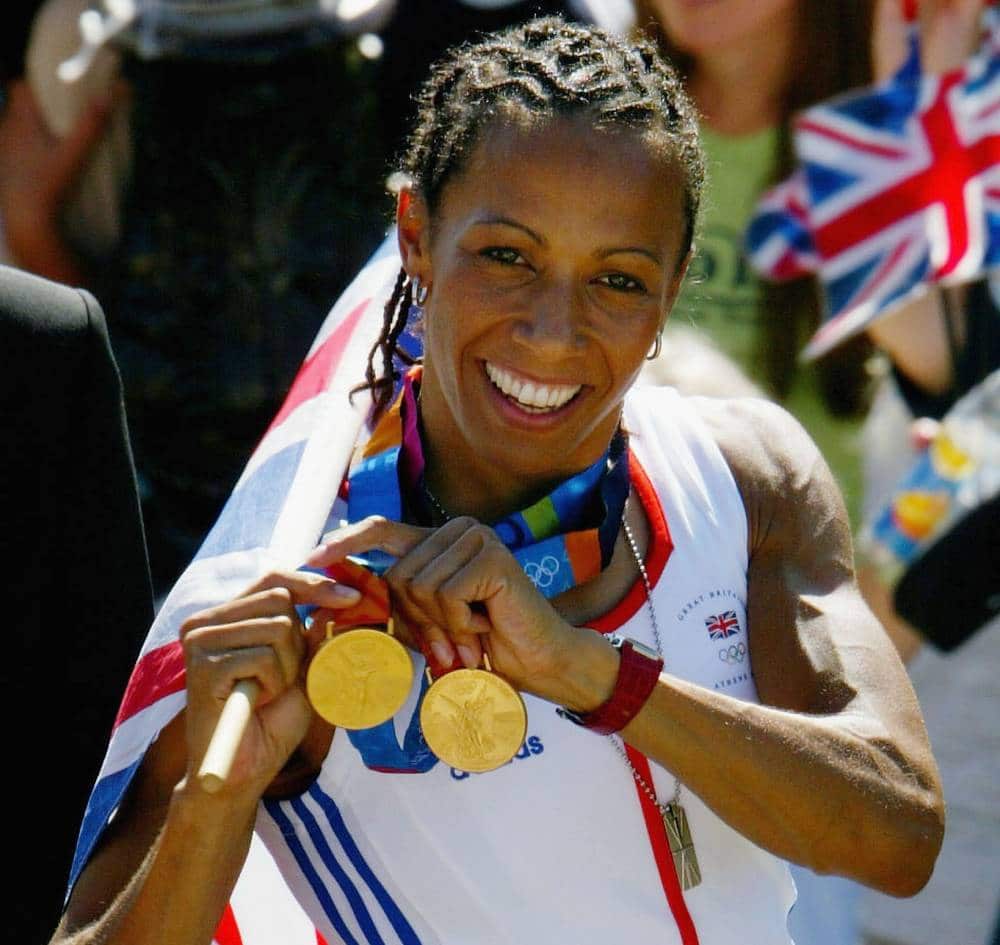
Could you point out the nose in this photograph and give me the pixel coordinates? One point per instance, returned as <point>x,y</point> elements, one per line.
<point>553,320</point>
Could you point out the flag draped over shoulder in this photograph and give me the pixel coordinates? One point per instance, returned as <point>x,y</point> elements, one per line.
<point>275,515</point>
<point>897,188</point>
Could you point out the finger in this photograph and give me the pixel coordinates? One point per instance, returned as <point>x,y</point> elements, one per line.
<point>281,633</point>
<point>308,587</point>
<point>470,649</point>
<point>889,39</point>
<point>417,578</point>
<point>437,648</point>
<point>374,533</point>
<point>271,601</point>
<point>213,674</point>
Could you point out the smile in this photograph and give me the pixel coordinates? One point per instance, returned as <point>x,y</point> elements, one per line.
<point>531,396</point>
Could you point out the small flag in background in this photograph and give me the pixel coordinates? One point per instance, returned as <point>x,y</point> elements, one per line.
<point>897,188</point>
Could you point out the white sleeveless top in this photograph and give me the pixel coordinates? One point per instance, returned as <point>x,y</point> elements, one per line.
<point>554,847</point>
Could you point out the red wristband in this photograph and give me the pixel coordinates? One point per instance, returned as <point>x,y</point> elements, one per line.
<point>637,674</point>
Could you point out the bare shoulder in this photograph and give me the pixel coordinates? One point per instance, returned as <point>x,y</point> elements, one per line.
<point>786,485</point>
<point>807,621</point>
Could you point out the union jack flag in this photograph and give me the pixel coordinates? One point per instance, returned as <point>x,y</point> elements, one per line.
<point>898,187</point>
<point>284,501</point>
<point>720,626</point>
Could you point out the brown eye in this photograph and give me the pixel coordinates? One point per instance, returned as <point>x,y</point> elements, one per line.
<point>621,282</point>
<point>503,254</point>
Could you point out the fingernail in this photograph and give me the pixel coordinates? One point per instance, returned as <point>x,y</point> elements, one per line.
<point>467,655</point>
<point>346,593</point>
<point>442,652</point>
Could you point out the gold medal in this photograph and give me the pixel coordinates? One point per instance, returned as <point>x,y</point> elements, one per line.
<point>473,720</point>
<point>359,678</point>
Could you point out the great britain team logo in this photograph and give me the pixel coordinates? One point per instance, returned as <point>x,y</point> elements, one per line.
<point>721,626</point>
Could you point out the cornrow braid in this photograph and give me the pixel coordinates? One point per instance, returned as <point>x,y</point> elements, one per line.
<point>542,69</point>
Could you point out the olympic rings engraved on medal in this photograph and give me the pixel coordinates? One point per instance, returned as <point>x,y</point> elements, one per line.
<point>734,653</point>
<point>542,573</point>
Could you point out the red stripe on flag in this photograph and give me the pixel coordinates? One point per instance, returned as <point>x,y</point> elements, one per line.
<point>942,182</point>
<point>661,851</point>
<point>314,375</point>
<point>319,938</point>
<point>159,673</point>
<point>228,932</point>
<point>805,124</point>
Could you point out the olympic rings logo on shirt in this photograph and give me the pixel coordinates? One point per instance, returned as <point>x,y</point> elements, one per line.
<point>734,653</point>
<point>542,573</point>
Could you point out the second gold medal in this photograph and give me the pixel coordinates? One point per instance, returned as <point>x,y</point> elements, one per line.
<point>473,720</point>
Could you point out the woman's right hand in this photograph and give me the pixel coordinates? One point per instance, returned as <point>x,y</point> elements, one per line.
<point>258,636</point>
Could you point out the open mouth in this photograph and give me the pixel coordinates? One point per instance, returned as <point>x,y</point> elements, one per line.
<point>531,396</point>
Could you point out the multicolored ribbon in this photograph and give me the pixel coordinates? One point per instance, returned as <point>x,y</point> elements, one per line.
<point>562,540</point>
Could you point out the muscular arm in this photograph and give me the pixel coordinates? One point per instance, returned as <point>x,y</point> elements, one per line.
<point>833,770</point>
<point>168,863</point>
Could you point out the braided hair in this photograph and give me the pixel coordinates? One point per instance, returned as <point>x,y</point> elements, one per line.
<point>531,73</point>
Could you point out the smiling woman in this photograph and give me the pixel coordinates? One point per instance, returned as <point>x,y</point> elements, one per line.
<point>546,280</point>
<point>654,594</point>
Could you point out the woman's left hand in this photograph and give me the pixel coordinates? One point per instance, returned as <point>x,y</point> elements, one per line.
<point>458,587</point>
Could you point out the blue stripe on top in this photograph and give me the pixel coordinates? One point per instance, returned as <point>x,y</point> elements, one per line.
<point>392,912</point>
<point>288,833</point>
<point>279,812</point>
<point>106,796</point>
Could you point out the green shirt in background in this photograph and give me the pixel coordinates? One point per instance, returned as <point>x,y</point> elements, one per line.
<point>720,297</point>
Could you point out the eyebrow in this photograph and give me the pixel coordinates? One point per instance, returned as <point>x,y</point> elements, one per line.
<point>603,254</point>
<point>506,221</point>
<point>639,250</point>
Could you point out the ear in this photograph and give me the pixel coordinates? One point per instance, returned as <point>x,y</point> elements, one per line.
<point>413,233</point>
<point>674,286</point>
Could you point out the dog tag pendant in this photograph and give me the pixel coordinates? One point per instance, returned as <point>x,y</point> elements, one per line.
<point>675,823</point>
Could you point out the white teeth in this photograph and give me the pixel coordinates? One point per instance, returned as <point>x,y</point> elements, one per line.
<point>536,397</point>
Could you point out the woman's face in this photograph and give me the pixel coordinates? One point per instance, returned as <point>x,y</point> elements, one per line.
<point>552,260</point>
<point>703,26</point>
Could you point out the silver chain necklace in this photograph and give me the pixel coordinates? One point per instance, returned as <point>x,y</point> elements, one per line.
<point>436,506</point>
<point>672,814</point>
<point>675,823</point>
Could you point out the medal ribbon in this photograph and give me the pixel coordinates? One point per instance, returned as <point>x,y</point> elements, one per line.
<point>562,540</point>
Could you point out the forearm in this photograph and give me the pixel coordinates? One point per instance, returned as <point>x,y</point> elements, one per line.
<point>178,893</point>
<point>834,793</point>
